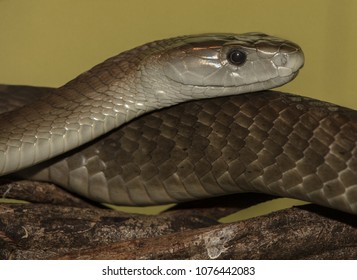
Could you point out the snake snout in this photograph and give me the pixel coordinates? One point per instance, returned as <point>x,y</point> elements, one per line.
<point>289,59</point>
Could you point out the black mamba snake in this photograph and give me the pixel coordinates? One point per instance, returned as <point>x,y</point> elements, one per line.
<point>258,142</point>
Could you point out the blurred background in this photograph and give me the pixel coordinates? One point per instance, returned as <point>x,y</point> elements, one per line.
<point>47,43</point>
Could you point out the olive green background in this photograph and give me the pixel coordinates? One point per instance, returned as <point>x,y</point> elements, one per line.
<point>48,43</point>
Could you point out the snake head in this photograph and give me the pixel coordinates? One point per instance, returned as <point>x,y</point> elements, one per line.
<point>223,64</point>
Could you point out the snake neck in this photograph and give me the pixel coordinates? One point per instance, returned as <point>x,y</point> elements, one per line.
<point>123,87</point>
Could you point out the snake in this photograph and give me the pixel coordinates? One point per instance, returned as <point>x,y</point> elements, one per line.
<point>187,118</point>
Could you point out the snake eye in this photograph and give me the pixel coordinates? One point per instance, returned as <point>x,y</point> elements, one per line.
<point>236,57</point>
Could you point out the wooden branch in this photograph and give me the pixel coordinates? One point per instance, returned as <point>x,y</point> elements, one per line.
<point>30,231</point>
<point>287,234</point>
<point>40,192</point>
<point>45,230</point>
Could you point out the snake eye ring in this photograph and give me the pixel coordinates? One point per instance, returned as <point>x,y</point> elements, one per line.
<point>236,57</point>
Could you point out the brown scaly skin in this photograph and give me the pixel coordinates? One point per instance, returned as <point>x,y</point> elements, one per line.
<point>268,142</point>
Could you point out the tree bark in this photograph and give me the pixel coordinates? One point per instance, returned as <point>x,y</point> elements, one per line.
<point>59,225</point>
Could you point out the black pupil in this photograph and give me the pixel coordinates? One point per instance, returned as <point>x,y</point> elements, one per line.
<point>236,57</point>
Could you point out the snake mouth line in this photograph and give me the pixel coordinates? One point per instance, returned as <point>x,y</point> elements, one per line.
<point>283,80</point>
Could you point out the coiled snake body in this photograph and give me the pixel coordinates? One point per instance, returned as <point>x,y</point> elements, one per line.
<point>257,142</point>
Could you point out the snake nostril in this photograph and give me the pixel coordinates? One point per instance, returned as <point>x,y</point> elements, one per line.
<point>280,59</point>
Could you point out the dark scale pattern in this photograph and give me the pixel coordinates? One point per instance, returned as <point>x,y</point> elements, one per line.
<point>265,142</point>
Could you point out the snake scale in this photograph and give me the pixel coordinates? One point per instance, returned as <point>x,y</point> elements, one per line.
<point>251,140</point>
